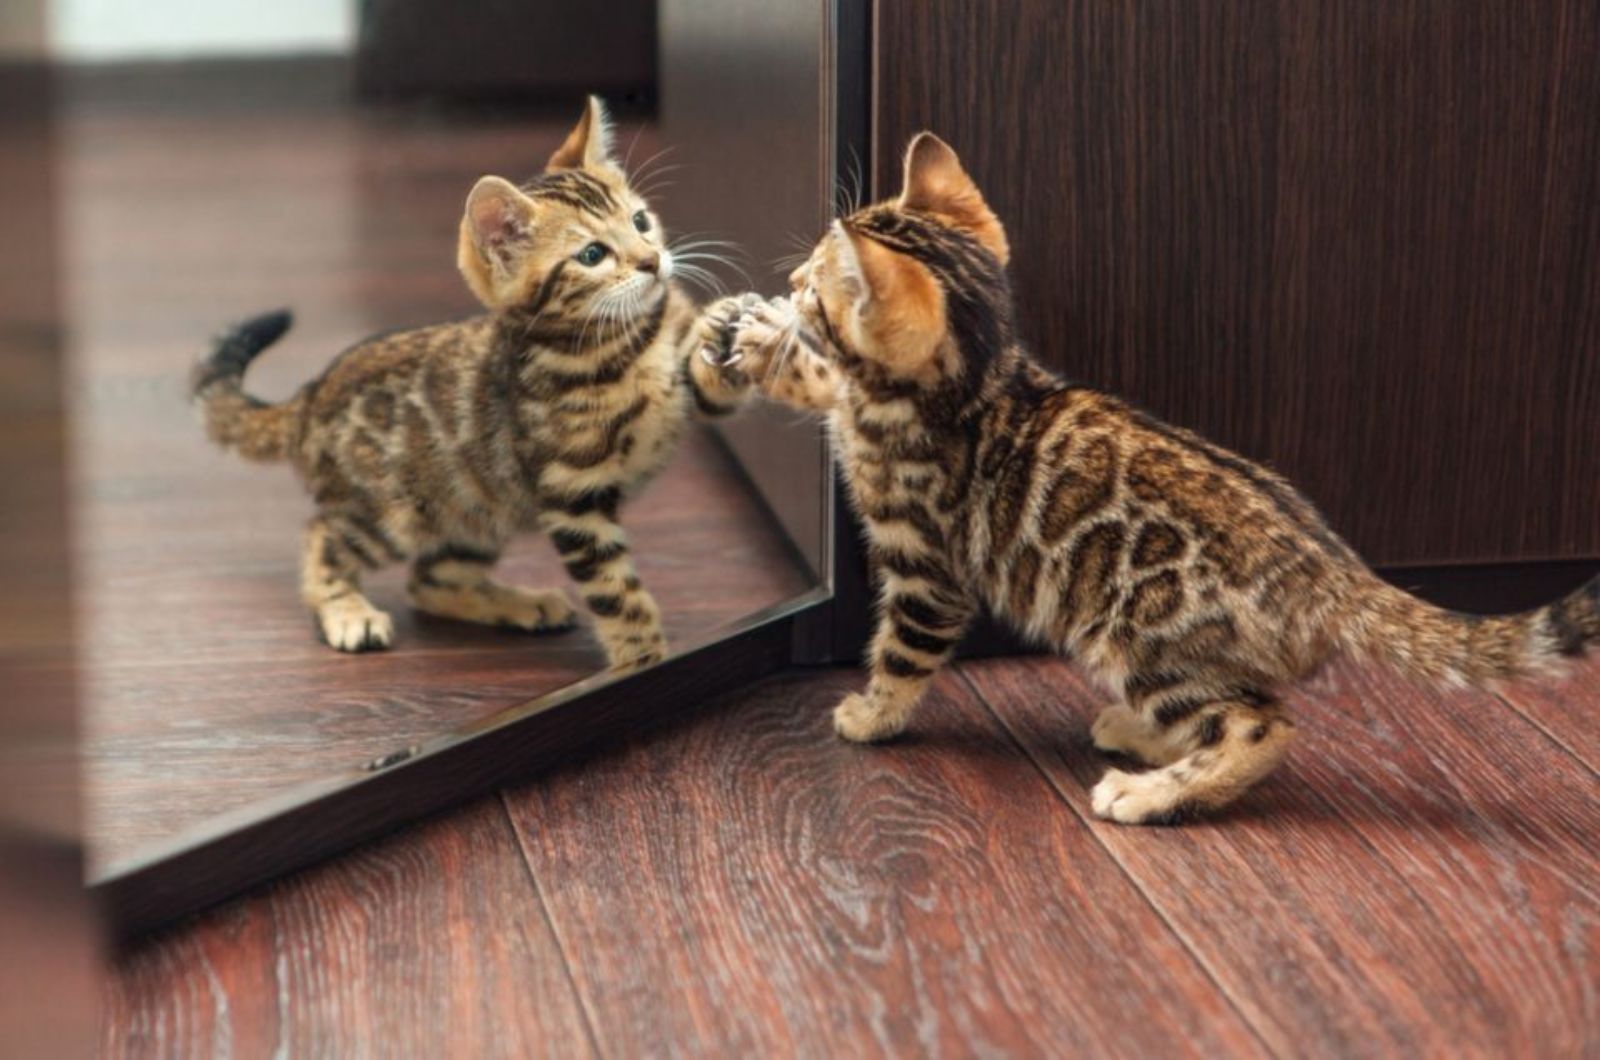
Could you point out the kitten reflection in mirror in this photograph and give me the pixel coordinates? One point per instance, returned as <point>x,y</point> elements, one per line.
<point>437,444</point>
<point>1195,584</point>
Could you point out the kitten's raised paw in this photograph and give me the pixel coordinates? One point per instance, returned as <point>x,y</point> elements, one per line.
<point>858,721</point>
<point>1138,798</point>
<point>717,329</point>
<point>351,624</point>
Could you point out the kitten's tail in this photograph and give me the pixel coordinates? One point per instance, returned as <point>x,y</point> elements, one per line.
<point>234,419</point>
<point>1448,647</point>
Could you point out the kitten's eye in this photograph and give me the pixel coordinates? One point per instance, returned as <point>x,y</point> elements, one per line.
<point>641,221</point>
<point>593,254</point>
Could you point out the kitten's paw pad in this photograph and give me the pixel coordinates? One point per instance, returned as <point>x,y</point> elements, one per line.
<point>858,721</point>
<point>1136,798</point>
<point>352,624</point>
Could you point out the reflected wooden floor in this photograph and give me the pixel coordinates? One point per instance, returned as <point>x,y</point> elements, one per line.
<point>1419,880</point>
<point>204,687</point>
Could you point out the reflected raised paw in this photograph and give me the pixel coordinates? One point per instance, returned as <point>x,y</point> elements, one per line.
<point>717,328</point>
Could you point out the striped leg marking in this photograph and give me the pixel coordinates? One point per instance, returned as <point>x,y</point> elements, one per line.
<point>336,551</point>
<point>918,628</point>
<point>594,550</point>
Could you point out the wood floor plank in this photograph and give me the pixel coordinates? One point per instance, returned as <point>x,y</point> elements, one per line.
<point>429,943</point>
<point>1569,710</point>
<point>747,884</point>
<point>1422,878</point>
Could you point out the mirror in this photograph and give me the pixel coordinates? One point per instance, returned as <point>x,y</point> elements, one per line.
<point>196,195</point>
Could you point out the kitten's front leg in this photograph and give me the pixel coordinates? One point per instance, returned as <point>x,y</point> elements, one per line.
<point>919,624</point>
<point>594,550</point>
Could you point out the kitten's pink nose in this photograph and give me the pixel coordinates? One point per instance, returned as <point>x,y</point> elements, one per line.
<point>651,262</point>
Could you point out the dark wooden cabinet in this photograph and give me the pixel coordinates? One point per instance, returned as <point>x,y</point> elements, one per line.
<point>1357,239</point>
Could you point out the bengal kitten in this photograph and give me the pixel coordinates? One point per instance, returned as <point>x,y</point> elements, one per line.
<point>1196,584</point>
<point>439,443</point>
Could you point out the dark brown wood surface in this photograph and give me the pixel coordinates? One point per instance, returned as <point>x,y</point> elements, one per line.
<point>205,689</point>
<point>1356,240</point>
<point>1419,880</point>
<point>1419,851</point>
<point>396,928</point>
<point>707,885</point>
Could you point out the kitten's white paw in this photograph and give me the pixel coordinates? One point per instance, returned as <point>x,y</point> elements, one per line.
<point>1135,798</point>
<point>858,721</point>
<point>351,624</point>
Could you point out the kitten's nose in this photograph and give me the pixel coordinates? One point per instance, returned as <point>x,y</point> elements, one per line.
<point>651,262</point>
<point>797,278</point>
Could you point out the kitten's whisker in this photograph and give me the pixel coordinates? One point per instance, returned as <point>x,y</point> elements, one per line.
<point>631,145</point>
<point>644,167</point>
<point>701,278</point>
<point>690,259</point>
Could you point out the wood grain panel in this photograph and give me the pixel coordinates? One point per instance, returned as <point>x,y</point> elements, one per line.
<point>747,884</point>
<point>1419,880</point>
<point>1355,240</point>
<point>430,943</point>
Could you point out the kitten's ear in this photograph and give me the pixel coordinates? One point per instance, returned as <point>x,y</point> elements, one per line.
<point>588,145</point>
<point>935,183</point>
<point>498,217</point>
<point>495,228</point>
<point>897,307</point>
<point>849,273</point>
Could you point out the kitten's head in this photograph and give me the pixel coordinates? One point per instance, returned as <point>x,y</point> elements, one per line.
<point>575,242</point>
<point>913,287</point>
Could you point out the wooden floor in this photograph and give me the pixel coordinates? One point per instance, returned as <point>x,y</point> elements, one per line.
<point>204,688</point>
<point>1422,878</point>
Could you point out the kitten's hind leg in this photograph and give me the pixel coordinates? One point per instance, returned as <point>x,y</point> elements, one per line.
<point>337,549</point>
<point>1227,746</point>
<point>453,582</point>
<point>1119,729</point>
